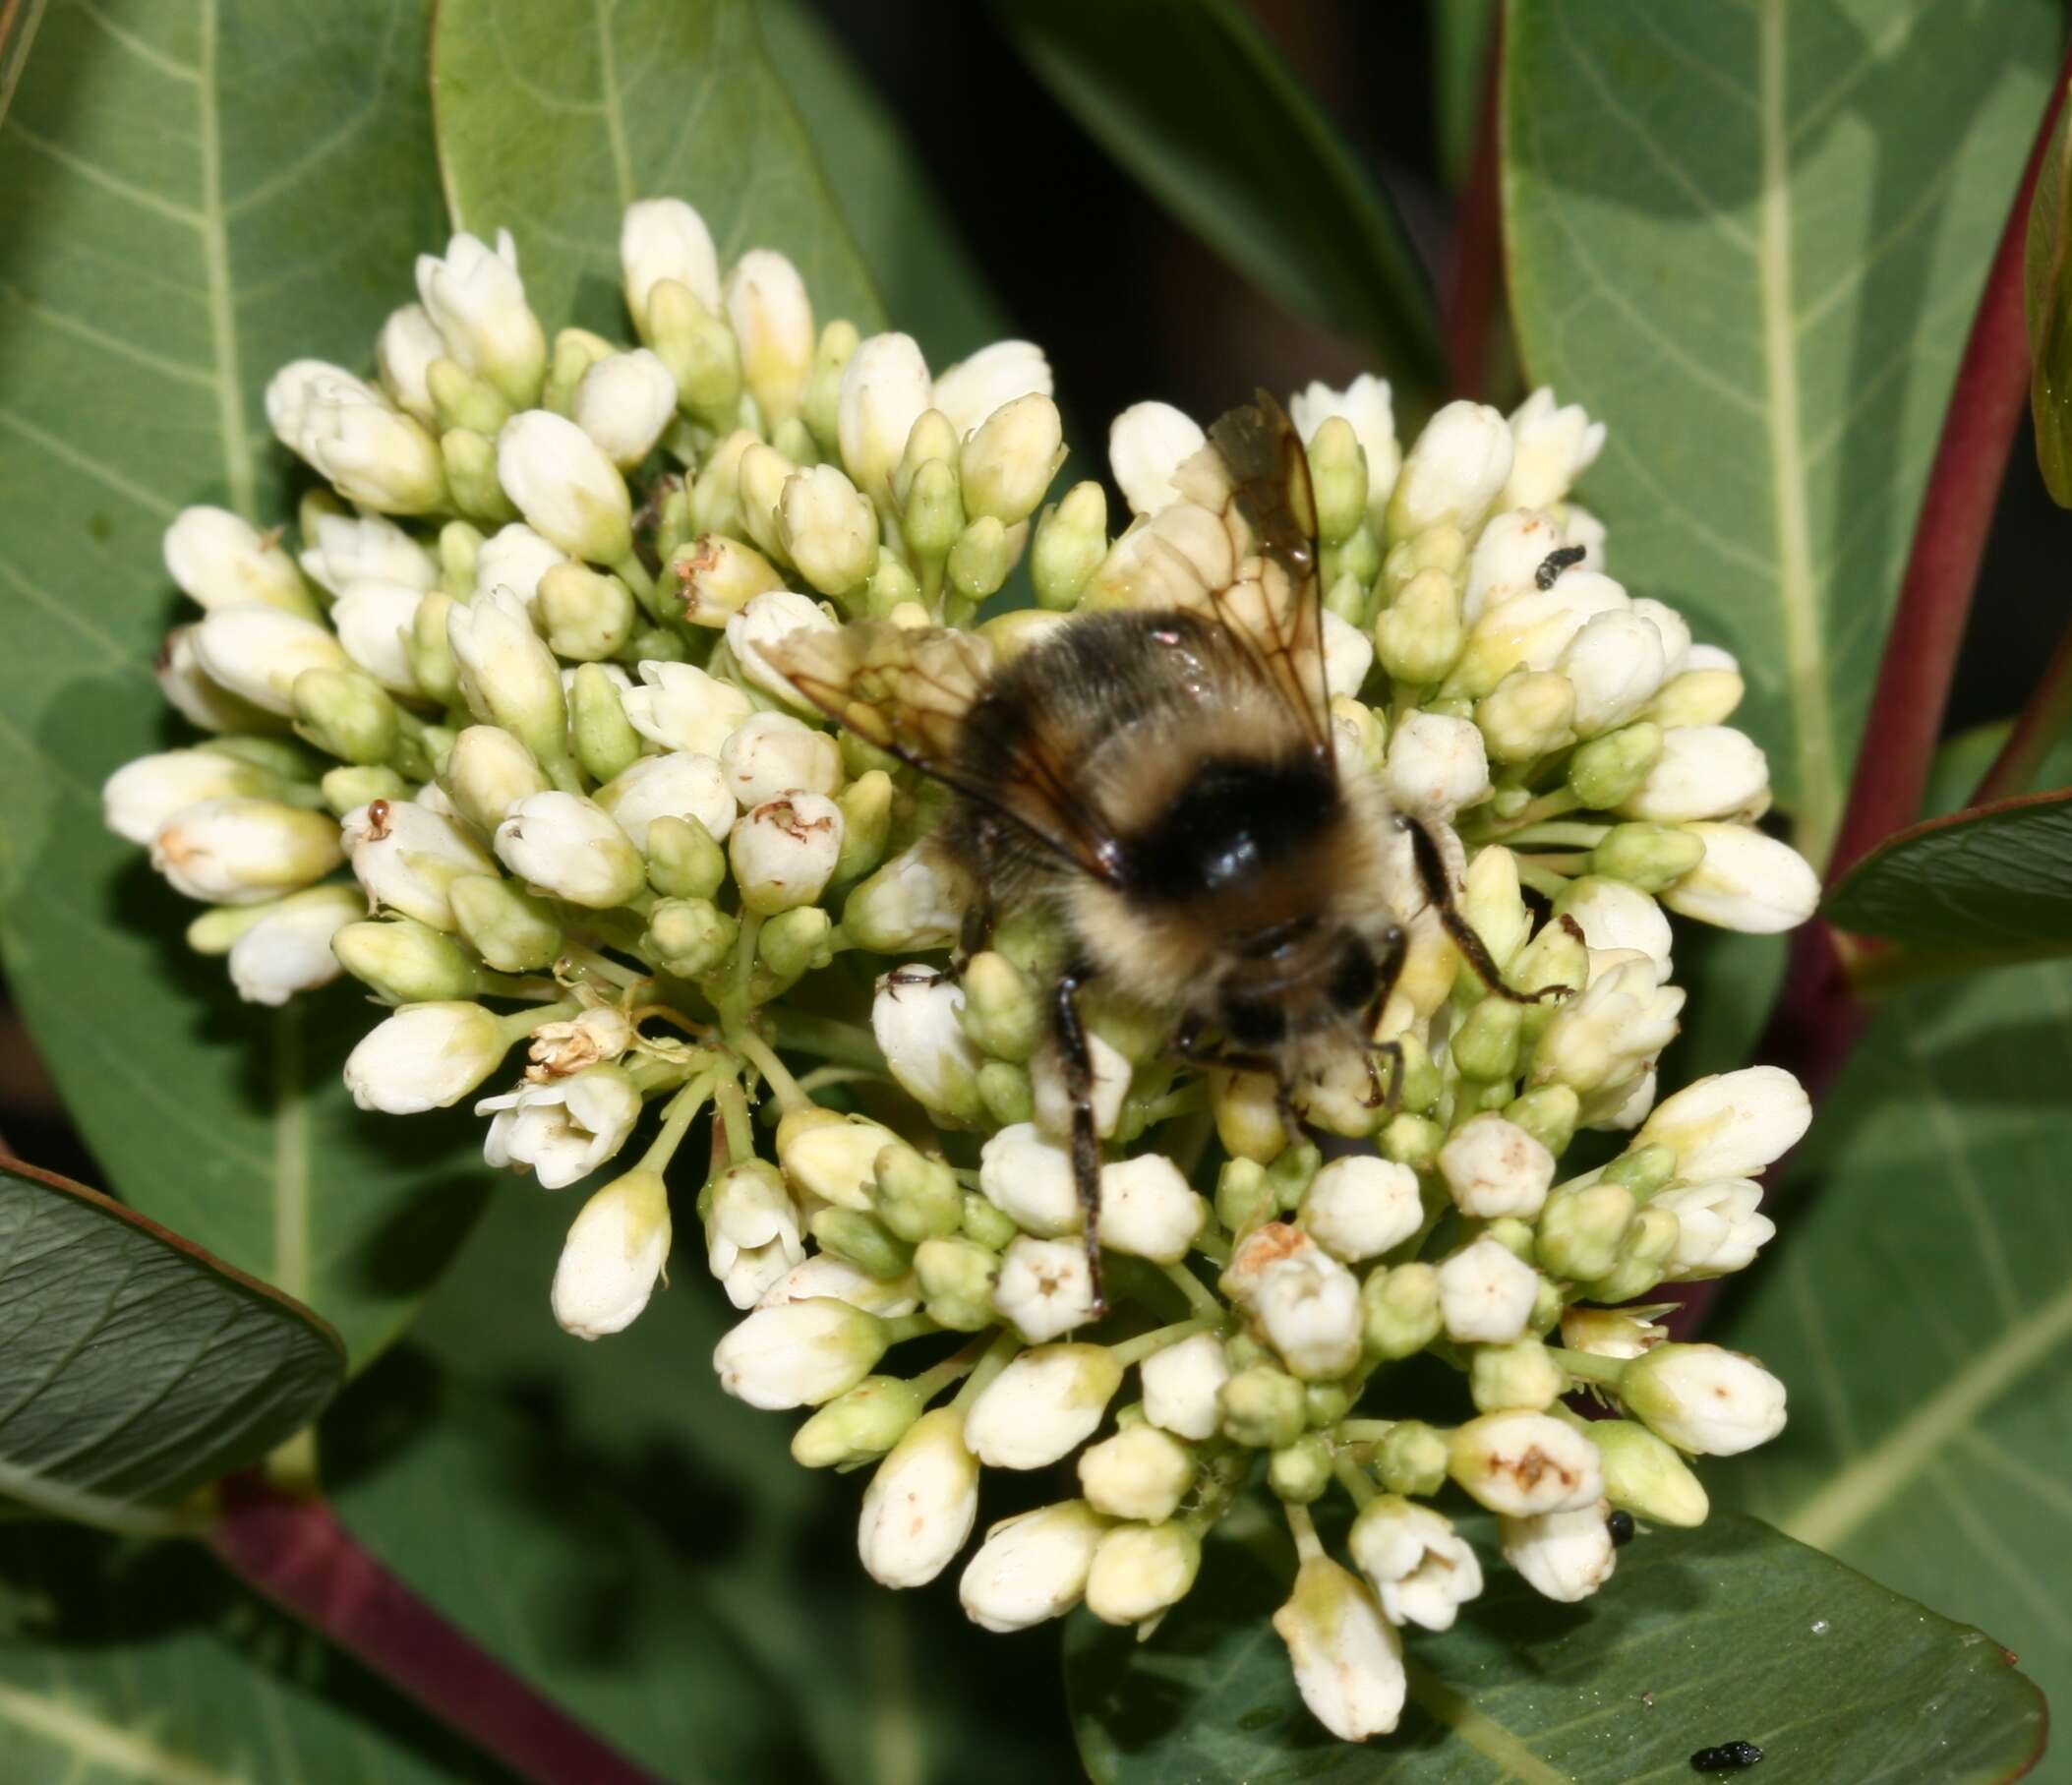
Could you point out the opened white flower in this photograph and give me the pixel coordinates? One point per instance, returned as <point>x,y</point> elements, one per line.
<point>1565,1556</point>
<point>1718,1227</point>
<point>1421,1570</point>
<point>563,1129</point>
<point>753,1233</point>
<point>477,298</point>
<point>682,708</point>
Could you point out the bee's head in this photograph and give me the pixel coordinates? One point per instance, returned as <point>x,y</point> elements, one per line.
<point>1294,979</point>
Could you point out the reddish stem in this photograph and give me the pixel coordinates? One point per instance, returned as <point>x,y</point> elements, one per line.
<point>299,1556</point>
<point>2039,725</point>
<point>1474,298</point>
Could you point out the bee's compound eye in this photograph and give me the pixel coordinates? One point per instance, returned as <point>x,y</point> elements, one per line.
<point>1252,1023</point>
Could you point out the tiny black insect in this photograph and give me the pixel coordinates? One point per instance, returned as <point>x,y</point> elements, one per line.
<point>1728,1757</point>
<point>1554,563</point>
<point>1620,1525</point>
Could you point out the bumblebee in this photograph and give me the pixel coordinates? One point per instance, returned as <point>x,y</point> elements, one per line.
<point>1160,777</point>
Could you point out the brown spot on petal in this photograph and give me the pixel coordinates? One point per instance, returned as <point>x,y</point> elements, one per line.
<point>1532,1467</point>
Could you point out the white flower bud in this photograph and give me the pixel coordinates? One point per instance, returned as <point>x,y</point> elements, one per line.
<point>833,1157</point>
<point>1347,1658</point>
<point>1563,1556</point>
<point>828,529</point>
<point>772,753</point>
<point>563,1129</point>
<point>406,855</point>
<point>1110,1088</point>
<point>1531,630</point>
<point>239,851</point>
<point>920,1030</point>
<point>1141,1474</point>
<point>1675,632</point>
<point>769,616</point>
<point>991,379</point>
<point>507,675</point>
<point>678,784</point>
<point>1614,916</point>
<point>1730,1125</point>
<point>1148,1209</point>
<point>1718,1227</point>
<point>1046,1403</point>
<point>1309,1305</point>
<point>570,847</point>
<point>1506,559</point>
<point>1705,771</point>
<point>289,949</point>
<point>1360,1207</point>
<point>404,350</point>
<point>920,1504</point>
<point>354,548</point>
<point>515,558</point>
<point>477,298</point>
<point>1523,1463</point>
<point>1704,1400</point>
<point>1031,1567</point>
<point>1029,1179</point>
<point>564,485</point>
<point>194,694</point>
<point>1009,460</point>
<point>1147,444</point>
<point>1613,1030</point>
<point>1579,527</point>
<point>623,403</point>
<point>1420,1568</point>
<point>1368,405</point>
<point>752,1234</point>
<point>372,455</point>
<point>142,794</point>
<point>773,320</point>
<point>784,852</point>
<point>666,239</point>
<point>1614,664</point>
<point>1348,654</point>
<point>1746,881</point>
<point>909,903</point>
<point>220,560</point>
<point>1142,1570</point>
<point>1183,1387</point>
<point>1493,1168</point>
<point>682,708</point>
<point>373,621</point>
<point>1452,471</point>
<point>1486,1294</point>
<point>826,1277</point>
<point>1435,765</point>
<point>799,1355</point>
<point>614,1251</point>
<point>1553,446</point>
<point>256,651</point>
<point>885,391</point>
<point>426,1056</point>
<point>1044,1288</point>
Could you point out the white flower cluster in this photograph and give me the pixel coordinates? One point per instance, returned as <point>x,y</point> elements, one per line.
<point>504,741</point>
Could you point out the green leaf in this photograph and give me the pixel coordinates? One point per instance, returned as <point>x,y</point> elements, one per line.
<point>139,1367</point>
<point>2045,294</point>
<point>933,289</point>
<point>151,1667</point>
<point>1194,99</point>
<point>1997,876</point>
<point>1750,238</point>
<point>553,117</point>
<point>17,36</point>
<point>186,203</point>
<point>1730,1632</point>
<point>644,1550</point>
<point>1920,1310</point>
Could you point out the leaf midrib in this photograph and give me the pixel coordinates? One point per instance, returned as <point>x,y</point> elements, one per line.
<point>95,1741</point>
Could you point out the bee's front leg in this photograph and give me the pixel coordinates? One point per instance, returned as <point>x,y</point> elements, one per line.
<point>1078,1061</point>
<point>1432,877</point>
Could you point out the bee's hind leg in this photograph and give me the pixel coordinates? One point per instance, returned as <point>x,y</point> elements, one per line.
<point>1432,879</point>
<point>1387,970</point>
<point>974,937</point>
<point>1078,1061</point>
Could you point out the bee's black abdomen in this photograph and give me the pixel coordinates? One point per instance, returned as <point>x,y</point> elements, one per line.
<point>1233,821</point>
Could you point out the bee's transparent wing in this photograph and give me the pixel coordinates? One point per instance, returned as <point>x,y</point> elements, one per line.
<point>911,691</point>
<point>1240,548</point>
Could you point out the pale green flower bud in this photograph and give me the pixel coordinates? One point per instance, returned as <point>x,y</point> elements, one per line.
<point>884,391</point>
<point>682,859</point>
<point>567,846</point>
<point>568,490</point>
<point>487,773</point>
<point>826,526</point>
<point>957,1278</point>
<point>346,714</point>
<point>918,1198</point>
<point>1140,1571</point>
<point>857,1426</point>
<point>512,930</point>
<point>773,320</point>
<point>1651,857</point>
<point>463,401</point>
<point>1555,956</point>
<point>932,440</point>
<point>1346,1655</point>
<point>425,1057</point>
<point>688,937</point>
<point>1644,1476</point>
<point>1704,1400</point>
<point>1521,1374</point>
<point>1419,635</point>
<point>1643,1260</point>
<point>932,517</point>
<point>241,851</point>
<point>913,903</point>
<point>1607,771</point>
<point>864,1241</point>
<point>1337,479</point>
<point>1071,539</point>
<point>1522,1464</point>
<point>1547,1112</point>
<point>1411,1458</point>
<point>1413,1141</point>
<point>1706,694</point>
<point>509,675</point>
<point>220,560</point>
<point>1581,1227</point>
<point>1399,1310</point>
<point>793,943</point>
<point>1486,1044</point>
<point>1528,715</point>
<point>348,786</point>
<point>1003,1010</point>
<point>606,743</point>
<point>1366,406</point>
<point>469,463</point>
<point>983,557</point>
<point>574,352</point>
<point>823,389</point>
<point>588,615</point>
<point>832,1156</point>
<point>866,826</point>
<point>372,455</point>
<point>1008,1093</point>
<point>1300,1472</point>
<point>405,963</point>
<point>1142,1472</point>
<point>256,652</point>
<point>1248,1118</point>
<point>433,671</point>
<point>760,482</point>
<point>1008,461</point>
<point>718,576</point>
<point>1262,1408</point>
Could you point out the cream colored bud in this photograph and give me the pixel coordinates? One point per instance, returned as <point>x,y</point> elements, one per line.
<point>992,378</point>
<point>1510,557</point>
<point>406,855</point>
<point>242,851</point>
<point>477,298</point>
<point>1141,1474</point>
<point>1486,1294</point>
<point>1007,463</point>
<point>1746,881</point>
<point>678,784</point>
<point>1703,771</point>
<point>624,402</point>
<point>1140,1571</point>
<point>1731,1125</point>
<point>220,560</point>
<point>884,391</point>
<point>767,619</point>
<point>1552,446</point>
<point>1348,654</point>
<point>1564,1557</point>
<point>1704,1400</point>
<point>1148,1210</point>
<point>1368,406</point>
<point>1034,1566</point>
<point>920,1504</point>
<point>833,1157</point>
<point>666,239</point>
<point>289,949</point>
<point>1147,444</point>
<point>1523,1463</point>
<point>1046,1287</point>
<point>773,320</point>
<point>487,773</point>
<point>1452,471</point>
<point>1044,1404</point>
<point>1435,765</point>
<point>426,1056</point>
<point>784,851</point>
<point>798,1353</point>
<point>339,550</point>
<point>1347,1658</point>
<point>256,652</point>
<point>405,352</point>
<point>566,489</point>
<point>916,1021</point>
<point>827,527</point>
<point>143,794</point>
<point>682,708</point>
<point>568,846</point>
<point>771,753</point>
<point>1029,1178</point>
